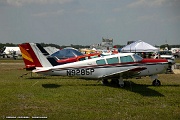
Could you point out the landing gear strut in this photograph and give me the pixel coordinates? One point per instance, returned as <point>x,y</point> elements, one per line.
<point>118,82</point>
<point>121,82</point>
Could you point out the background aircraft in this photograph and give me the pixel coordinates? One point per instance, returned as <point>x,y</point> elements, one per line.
<point>115,67</point>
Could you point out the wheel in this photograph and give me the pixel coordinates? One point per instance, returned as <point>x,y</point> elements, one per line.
<point>117,83</point>
<point>105,82</point>
<point>156,82</point>
<point>121,85</point>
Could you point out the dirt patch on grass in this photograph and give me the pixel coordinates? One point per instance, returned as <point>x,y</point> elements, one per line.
<point>176,71</point>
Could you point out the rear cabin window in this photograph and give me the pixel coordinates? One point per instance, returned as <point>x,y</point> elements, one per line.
<point>93,57</point>
<point>126,59</point>
<point>101,62</point>
<point>112,60</point>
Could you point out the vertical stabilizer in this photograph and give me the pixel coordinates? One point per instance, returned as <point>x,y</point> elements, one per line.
<point>27,58</point>
<point>38,57</point>
<point>32,55</point>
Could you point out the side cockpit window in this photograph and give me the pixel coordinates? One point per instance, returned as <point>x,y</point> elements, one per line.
<point>100,62</point>
<point>137,57</point>
<point>112,60</point>
<point>126,59</point>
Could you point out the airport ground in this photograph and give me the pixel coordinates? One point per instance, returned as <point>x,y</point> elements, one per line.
<point>75,98</point>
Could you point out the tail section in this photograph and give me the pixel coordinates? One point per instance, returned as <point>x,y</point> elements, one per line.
<point>33,55</point>
<point>42,49</point>
<point>28,61</point>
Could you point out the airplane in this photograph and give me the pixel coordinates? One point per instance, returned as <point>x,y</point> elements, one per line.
<point>115,67</point>
<point>29,64</point>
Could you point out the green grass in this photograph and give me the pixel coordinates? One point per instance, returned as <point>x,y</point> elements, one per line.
<point>177,60</point>
<point>11,60</point>
<point>74,98</point>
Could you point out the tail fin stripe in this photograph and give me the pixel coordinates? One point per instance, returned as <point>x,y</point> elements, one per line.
<point>25,54</point>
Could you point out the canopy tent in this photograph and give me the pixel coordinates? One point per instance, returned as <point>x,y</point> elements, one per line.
<point>139,46</point>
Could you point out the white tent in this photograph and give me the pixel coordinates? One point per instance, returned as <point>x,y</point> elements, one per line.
<point>139,46</point>
<point>10,50</point>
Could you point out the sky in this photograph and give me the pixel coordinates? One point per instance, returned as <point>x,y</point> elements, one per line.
<point>85,22</point>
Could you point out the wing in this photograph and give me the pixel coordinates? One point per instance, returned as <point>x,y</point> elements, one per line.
<point>126,73</point>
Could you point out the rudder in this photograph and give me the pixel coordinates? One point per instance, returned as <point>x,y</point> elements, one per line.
<point>33,54</point>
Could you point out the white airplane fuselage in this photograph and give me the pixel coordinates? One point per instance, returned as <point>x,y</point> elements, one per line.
<point>114,67</point>
<point>106,66</point>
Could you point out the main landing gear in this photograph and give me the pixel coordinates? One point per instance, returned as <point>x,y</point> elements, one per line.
<point>118,82</point>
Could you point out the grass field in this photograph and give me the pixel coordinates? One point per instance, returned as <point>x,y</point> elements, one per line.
<point>177,60</point>
<point>70,98</point>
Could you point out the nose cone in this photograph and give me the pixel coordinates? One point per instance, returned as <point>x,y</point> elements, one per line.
<point>160,63</point>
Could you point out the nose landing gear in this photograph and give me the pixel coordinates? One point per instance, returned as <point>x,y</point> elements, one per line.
<point>156,82</point>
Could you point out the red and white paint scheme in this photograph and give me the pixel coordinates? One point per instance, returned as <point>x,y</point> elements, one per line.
<point>115,67</point>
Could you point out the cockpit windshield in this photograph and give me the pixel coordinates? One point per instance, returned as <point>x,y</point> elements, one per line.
<point>137,57</point>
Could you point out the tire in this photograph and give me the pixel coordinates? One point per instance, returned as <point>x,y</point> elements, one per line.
<point>156,82</point>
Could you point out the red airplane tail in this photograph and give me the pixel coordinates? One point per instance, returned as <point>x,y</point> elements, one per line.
<point>34,56</point>
<point>29,57</point>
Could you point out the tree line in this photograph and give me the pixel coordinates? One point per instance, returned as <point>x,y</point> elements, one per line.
<point>2,45</point>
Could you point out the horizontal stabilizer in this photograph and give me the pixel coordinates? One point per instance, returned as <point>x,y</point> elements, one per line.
<point>41,69</point>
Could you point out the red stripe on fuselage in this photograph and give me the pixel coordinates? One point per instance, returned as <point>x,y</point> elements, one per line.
<point>154,60</point>
<point>144,62</point>
<point>139,63</point>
